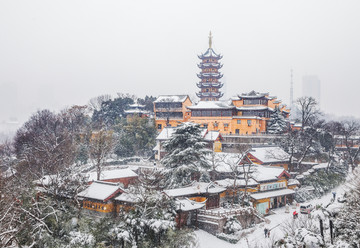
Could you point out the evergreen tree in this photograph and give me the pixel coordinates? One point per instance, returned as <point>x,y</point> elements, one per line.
<point>135,136</point>
<point>148,101</point>
<point>277,123</point>
<point>185,158</point>
<point>111,111</point>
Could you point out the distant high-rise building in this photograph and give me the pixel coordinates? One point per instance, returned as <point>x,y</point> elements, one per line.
<point>311,87</point>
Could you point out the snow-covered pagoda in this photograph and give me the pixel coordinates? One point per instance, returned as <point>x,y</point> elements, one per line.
<point>209,76</point>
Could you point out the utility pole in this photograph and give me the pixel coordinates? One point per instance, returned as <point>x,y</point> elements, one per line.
<point>291,89</point>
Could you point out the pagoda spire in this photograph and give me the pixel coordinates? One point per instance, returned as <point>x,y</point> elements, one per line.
<point>210,40</point>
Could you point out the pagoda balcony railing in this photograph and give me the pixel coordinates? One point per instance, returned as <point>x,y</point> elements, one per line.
<point>202,94</point>
<point>169,118</point>
<point>168,109</point>
<point>215,85</point>
<point>210,75</point>
<point>210,65</point>
<point>207,94</point>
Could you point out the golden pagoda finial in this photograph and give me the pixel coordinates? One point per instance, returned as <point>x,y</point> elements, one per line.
<point>210,40</point>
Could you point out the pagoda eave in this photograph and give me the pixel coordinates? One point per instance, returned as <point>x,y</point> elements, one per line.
<point>210,75</point>
<point>217,66</point>
<point>210,57</point>
<point>209,85</point>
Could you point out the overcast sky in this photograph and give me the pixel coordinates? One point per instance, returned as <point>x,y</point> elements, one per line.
<point>55,54</point>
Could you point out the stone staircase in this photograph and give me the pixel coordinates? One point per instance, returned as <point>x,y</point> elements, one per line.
<point>214,220</point>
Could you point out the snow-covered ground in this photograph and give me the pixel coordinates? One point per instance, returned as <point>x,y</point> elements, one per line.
<point>255,237</point>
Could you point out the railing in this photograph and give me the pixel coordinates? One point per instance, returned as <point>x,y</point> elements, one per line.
<point>168,109</point>
<point>226,212</point>
<point>253,135</point>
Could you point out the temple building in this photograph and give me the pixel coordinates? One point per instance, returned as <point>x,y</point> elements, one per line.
<point>209,76</point>
<point>171,110</point>
<point>136,110</point>
<point>243,114</point>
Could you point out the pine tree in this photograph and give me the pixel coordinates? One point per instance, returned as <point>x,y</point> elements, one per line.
<point>277,123</point>
<point>185,158</point>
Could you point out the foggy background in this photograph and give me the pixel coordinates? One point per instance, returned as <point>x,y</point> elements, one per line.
<point>55,54</point>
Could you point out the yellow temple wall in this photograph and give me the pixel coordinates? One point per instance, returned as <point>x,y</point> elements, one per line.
<point>99,207</point>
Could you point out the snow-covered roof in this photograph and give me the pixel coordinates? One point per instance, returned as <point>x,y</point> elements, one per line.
<point>270,154</point>
<point>270,194</point>
<point>211,135</point>
<point>320,166</point>
<point>136,111</point>
<point>293,182</point>
<point>101,190</point>
<point>171,98</point>
<point>244,108</point>
<point>128,197</point>
<point>188,205</point>
<point>167,133</point>
<point>253,94</point>
<point>195,188</point>
<point>209,74</point>
<point>224,162</point>
<point>212,105</point>
<point>267,173</point>
<point>47,180</point>
<point>111,174</point>
<point>228,182</point>
<point>350,138</point>
<point>136,105</point>
<point>209,64</point>
<point>299,177</point>
<point>210,53</point>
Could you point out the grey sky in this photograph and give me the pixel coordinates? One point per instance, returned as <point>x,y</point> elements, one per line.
<point>59,53</point>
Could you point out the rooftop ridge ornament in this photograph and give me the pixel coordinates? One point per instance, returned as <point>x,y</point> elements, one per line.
<point>210,40</point>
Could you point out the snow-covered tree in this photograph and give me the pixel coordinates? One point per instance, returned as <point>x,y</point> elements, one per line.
<point>238,170</point>
<point>277,123</point>
<point>350,131</point>
<point>302,232</point>
<point>347,223</point>
<point>309,111</point>
<point>111,110</point>
<point>151,222</point>
<point>101,146</point>
<point>186,156</point>
<point>232,225</point>
<point>48,141</point>
<point>309,142</point>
